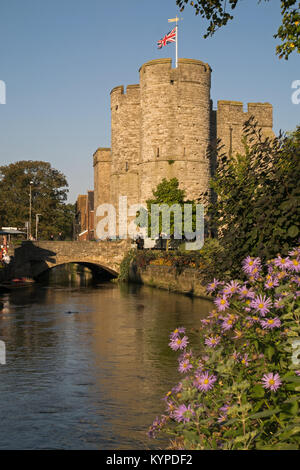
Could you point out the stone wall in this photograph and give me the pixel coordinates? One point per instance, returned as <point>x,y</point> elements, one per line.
<point>125,142</point>
<point>166,277</point>
<point>231,118</point>
<point>102,172</point>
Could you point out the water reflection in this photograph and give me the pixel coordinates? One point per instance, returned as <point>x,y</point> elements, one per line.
<point>87,368</point>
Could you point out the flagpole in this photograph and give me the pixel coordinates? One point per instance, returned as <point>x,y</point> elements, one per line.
<point>172,20</point>
<point>176,43</point>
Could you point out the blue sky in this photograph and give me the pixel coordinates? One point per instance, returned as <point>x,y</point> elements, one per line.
<point>60,59</point>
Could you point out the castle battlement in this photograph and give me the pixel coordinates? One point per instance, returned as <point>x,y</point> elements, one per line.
<point>163,128</point>
<point>231,118</point>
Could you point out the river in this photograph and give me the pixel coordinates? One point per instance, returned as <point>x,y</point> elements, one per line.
<point>87,364</point>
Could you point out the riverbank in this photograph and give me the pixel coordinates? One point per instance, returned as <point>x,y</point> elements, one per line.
<point>187,280</point>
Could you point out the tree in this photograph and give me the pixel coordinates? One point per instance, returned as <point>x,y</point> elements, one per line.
<point>49,190</point>
<point>257,210</point>
<point>168,194</point>
<point>216,12</point>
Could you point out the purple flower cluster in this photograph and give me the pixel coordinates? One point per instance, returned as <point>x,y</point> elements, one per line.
<point>177,341</point>
<point>252,267</point>
<point>246,314</point>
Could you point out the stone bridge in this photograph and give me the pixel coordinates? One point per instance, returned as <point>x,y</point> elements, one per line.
<point>33,258</point>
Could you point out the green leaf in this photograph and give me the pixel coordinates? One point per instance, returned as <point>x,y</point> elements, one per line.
<point>265,414</point>
<point>258,391</point>
<point>293,231</point>
<point>270,352</point>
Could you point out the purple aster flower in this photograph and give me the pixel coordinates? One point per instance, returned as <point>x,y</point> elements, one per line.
<point>296,279</point>
<point>297,372</point>
<point>178,343</point>
<point>205,321</point>
<point>157,425</point>
<point>245,360</point>
<point>238,334</point>
<point>271,283</point>
<point>295,252</point>
<point>294,265</point>
<point>279,303</point>
<point>213,285</point>
<point>185,355</point>
<point>221,303</point>
<point>183,413</point>
<point>282,263</point>
<point>250,264</point>
<point>199,369</point>
<point>222,419</point>
<point>281,275</point>
<point>170,408</point>
<point>271,381</point>
<point>185,366</point>
<point>212,341</point>
<point>228,323</point>
<point>204,381</point>
<point>224,408</point>
<point>176,332</point>
<point>270,323</point>
<point>261,304</point>
<point>231,287</point>
<point>236,356</point>
<point>253,319</point>
<point>177,388</point>
<point>246,293</point>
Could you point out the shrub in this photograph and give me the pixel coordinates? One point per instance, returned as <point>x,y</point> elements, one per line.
<point>240,385</point>
<point>257,205</point>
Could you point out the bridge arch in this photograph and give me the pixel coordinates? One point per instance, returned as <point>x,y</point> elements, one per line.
<point>33,258</point>
<point>98,270</point>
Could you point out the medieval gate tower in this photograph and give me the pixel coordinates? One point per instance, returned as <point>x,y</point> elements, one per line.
<point>162,128</point>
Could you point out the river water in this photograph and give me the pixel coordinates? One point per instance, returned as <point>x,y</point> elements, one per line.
<point>87,365</point>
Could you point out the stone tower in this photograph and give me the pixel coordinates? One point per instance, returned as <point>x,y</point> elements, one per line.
<point>163,127</point>
<point>175,125</point>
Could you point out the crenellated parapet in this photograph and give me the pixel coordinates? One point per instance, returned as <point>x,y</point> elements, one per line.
<point>231,118</point>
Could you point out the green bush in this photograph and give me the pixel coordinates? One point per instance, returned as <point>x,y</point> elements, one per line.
<point>257,206</point>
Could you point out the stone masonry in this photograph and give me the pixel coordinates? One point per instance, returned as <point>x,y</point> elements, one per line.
<point>163,127</point>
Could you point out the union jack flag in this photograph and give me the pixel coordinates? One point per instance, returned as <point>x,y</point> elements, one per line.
<point>170,37</point>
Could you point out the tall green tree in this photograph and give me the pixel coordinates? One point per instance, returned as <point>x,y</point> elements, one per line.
<point>49,189</point>
<point>219,13</point>
<point>257,209</point>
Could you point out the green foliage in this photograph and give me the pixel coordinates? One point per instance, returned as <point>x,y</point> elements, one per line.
<point>168,193</point>
<point>125,266</point>
<point>49,193</point>
<point>218,16</point>
<point>258,199</point>
<point>240,392</point>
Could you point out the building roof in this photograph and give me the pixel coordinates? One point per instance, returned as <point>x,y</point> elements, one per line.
<point>10,231</point>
